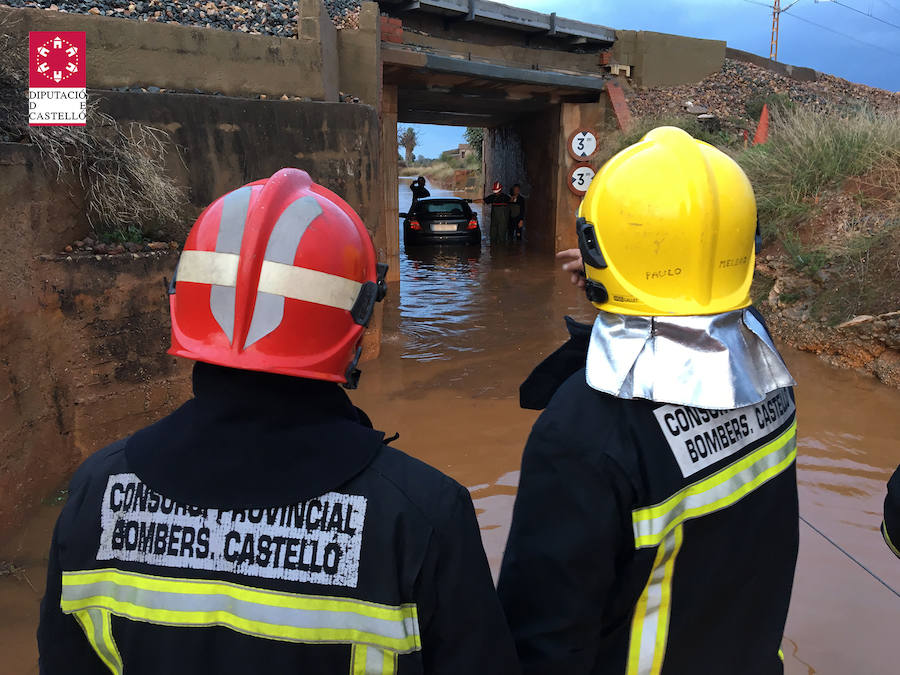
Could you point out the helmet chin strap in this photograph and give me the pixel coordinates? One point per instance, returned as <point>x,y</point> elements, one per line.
<point>371,292</point>
<point>593,256</point>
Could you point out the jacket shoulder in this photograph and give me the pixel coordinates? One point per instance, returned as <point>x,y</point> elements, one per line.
<point>585,424</point>
<point>433,494</point>
<point>100,464</point>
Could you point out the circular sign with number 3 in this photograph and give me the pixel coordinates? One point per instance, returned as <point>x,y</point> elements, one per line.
<point>580,178</point>
<point>583,144</point>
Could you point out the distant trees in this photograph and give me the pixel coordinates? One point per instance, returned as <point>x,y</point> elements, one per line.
<point>408,139</point>
<point>475,139</point>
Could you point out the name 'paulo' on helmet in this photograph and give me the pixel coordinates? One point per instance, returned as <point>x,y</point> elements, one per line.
<point>667,228</point>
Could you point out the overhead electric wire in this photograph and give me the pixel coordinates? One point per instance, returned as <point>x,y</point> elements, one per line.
<point>830,30</point>
<point>891,5</point>
<point>839,548</point>
<point>859,11</point>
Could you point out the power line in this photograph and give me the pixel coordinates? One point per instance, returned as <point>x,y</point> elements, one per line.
<point>859,11</point>
<point>891,5</point>
<point>838,547</point>
<point>830,30</point>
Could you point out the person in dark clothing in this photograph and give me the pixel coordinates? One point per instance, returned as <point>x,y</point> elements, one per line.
<point>890,525</point>
<point>499,215</point>
<point>265,526</point>
<point>516,212</point>
<point>656,526</point>
<point>419,191</point>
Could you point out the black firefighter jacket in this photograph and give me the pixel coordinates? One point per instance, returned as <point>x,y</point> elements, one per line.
<point>264,527</point>
<point>649,538</point>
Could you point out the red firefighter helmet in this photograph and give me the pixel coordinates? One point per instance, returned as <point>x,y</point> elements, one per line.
<point>277,276</point>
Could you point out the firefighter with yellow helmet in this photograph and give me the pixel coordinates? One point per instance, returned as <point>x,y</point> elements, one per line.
<point>655,529</point>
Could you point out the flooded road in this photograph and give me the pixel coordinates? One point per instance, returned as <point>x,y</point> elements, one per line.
<point>464,327</point>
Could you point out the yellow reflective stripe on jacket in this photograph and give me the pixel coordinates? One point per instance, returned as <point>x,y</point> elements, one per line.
<point>97,626</point>
<point>650,624</point>
<point>368,660</point>
<point>887,539</point>
<point>719,491</point>
<point>253,611</point>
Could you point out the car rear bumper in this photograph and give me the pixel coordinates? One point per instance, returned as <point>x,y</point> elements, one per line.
<point>465,237</point>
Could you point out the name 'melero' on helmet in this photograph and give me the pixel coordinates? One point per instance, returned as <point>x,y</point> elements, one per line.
<point>278,276</point>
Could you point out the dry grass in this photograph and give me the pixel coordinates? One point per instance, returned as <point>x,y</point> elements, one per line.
<point>118,169</point>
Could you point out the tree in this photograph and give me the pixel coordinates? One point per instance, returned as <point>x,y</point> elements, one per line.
<point>475,139</point>
<point>408,139</point>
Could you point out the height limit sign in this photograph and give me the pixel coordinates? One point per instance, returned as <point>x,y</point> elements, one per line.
<point>583,144</point>
<point>57,78</point>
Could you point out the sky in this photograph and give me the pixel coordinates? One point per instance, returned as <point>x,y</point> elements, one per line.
<point>851,44</point>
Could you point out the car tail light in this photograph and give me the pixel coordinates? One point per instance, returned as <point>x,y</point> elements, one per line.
<point>473,224</point>
<point>414,225</point>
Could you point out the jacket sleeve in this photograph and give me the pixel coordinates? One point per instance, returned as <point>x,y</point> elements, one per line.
<point>463,628</point>
<point>890,528</point>
<point>62,646</point>
<point>569,526</point>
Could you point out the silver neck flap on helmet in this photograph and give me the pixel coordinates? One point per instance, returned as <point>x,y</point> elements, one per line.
<point>720,361</point>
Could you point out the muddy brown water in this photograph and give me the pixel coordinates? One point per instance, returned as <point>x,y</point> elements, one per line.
<point>463,328</point>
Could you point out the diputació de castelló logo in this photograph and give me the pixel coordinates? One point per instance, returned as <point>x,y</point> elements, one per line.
<point>57,78</point>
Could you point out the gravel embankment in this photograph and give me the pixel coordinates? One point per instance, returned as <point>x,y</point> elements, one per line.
<point>273,17</point>
<point>726,93</point>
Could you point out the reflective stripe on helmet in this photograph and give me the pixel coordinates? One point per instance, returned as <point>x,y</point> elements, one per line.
<point>281,248</point>
<point>269,614</point>
<point>228,241</point>
<point>208,267</point>
<point>300,283</point>
<point>719,491</point>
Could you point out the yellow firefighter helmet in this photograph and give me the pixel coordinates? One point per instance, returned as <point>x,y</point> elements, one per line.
<point>667,228</point>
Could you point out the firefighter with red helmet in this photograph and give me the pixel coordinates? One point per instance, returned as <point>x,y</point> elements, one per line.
<point>264,526</point>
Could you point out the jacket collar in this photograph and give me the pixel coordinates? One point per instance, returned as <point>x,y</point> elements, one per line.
<point>720,361</point>
<point>249,440</point>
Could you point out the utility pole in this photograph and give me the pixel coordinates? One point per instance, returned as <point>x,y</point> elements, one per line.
<point>776,15</point>
<point>773,45</point>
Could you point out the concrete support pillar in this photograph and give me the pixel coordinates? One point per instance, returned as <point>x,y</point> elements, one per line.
<point>359,53</point>
<point>574,116</point>
<point>390,220</point>
<point>315,25</point>
<point>504,161</point>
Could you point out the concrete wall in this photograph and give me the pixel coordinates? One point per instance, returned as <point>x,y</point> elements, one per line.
<point>82,342</point>
<point>540,162</point>
<point>123,53</point>
<point>797,72</point>
<point>390,177</point>
<point>226,142</point>
<point>662,60</point>
<point>359,53</point>
<point>574,116</point>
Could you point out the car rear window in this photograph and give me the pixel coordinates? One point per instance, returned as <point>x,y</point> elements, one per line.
<point>445,208</point>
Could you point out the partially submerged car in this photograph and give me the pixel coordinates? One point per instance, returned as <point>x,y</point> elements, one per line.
<point>441,220</point>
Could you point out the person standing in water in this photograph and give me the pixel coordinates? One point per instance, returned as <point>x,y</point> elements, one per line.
<point>419,191</point>
<point>516,212</point>
<point>656,525</point>
<point>499,202</point>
